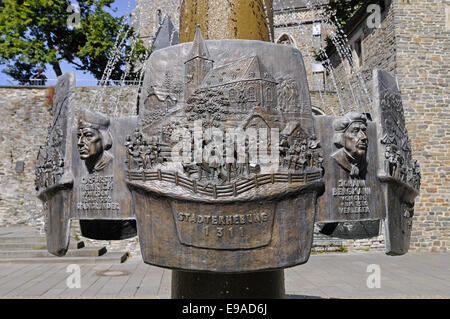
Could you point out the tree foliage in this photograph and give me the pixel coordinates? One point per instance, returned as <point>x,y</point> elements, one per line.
<point>37,33</point>
<point>344,9</point>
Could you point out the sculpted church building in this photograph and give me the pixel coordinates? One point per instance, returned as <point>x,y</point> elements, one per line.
<point>244,80</point>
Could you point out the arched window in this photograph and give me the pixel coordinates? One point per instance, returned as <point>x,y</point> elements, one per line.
<point>269,95</point>
<point>251,94</point>
<point>286,39</point>
<point>232,95</point>
<point>317,111</point>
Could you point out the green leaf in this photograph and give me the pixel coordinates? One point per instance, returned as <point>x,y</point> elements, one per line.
<point>34,33</point>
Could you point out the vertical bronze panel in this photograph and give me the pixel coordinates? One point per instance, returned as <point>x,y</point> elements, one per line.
<point>234,19</point>
<point>398,171</point>
<point>58,222</point>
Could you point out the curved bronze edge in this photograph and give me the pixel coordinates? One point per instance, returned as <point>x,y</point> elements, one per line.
<point>315,186</point>
<point>226,249</point>
<point>108,218</point>
<point>331,229</point>
<point>283,266</point>
<point>232,40</point>
<point>53,189</point>
<point>393,253</point>
<point>348,220</point>
<point>412,192</point>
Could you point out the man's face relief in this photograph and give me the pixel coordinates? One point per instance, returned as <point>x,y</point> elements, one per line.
<point>355,139</point>
<point>89,143</point>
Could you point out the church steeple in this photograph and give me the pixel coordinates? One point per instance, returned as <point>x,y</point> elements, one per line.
<point>199,48</point>
<point>198,64</point>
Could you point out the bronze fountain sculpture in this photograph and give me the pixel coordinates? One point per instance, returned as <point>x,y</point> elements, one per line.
<point>225,174</point>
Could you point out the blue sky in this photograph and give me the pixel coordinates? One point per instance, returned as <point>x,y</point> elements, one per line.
<point>121,6</point>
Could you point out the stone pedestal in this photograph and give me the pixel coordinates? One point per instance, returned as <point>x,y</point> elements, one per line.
<point>198,285</point>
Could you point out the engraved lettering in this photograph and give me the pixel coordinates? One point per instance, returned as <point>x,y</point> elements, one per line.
<point>96,193</point>
<point>352,195</point>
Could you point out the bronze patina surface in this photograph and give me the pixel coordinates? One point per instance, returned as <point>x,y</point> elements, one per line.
<point>225,170</point>
<point>398,171</point>
<point>370,174</point>
<point>98,167</point>
<point>54,179</point>
<point>80,172</point>
<point>352,188</point>
<point>228,211</point>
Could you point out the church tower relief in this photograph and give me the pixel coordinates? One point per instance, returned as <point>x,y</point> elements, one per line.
<point>197,65</point>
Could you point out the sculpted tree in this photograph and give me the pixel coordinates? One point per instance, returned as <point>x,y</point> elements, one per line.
<point>36,33</point>
<point>209,105</point>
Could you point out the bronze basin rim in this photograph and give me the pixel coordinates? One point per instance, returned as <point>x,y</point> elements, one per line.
<point>316,186</point>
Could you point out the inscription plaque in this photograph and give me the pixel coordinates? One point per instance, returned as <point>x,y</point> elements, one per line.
<point>80,173</point>
<point>96,193</point>
<point>353,195</point>
<point>351,206</point>
<point>213,228</point>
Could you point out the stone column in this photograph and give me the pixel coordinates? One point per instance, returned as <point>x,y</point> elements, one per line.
<point>235,19</point>
<point>218,20</point>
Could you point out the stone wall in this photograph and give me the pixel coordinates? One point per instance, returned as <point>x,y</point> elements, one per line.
<point>422,67</point>
<point>115,101</point>
<point>324,103</point>
<point>378,51</point>
<point>296,26</point>
<point>25,118</point>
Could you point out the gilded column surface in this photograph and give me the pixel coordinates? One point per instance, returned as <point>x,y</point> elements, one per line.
<point>227,19</point>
